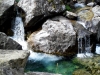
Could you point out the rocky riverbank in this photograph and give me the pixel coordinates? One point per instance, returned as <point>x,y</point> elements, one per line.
<point>91,66</point>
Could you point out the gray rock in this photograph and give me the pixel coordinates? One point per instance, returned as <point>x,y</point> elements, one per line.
<point>4,5</point>
<point>41,7</point>
<point>90,18</point>
<point>71,15</point>
<point>56,36</point>
<point>12,62</point>
<point>8,43</point>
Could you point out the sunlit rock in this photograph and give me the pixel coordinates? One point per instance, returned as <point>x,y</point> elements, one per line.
<point>89,18</point>
<point>56,37</point>
<point>12,62</point>
<point>4,5</point>
<point>8,43</point>
<point>41,7</point>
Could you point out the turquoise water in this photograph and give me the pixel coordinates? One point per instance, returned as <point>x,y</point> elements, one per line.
<point>63,66</point>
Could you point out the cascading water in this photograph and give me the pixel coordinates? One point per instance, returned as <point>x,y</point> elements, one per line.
<point>40,61</point>
<point>18,29</point>
<point>84,47</point>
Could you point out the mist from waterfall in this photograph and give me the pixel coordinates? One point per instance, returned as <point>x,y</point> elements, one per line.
<point>84,47</point>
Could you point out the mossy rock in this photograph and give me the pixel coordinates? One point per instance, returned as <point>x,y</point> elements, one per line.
<point>81,72</point>
<point>85,14</point>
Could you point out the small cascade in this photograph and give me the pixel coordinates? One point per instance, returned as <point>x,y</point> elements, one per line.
<point>97,49</point>
<point>18,29</point>
<point>84,47</point>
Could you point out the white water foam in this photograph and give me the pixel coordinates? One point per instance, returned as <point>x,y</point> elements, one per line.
<point>97,49</point>
<point>85,55</point>
<point>43,57</point>
<point>18,29</point>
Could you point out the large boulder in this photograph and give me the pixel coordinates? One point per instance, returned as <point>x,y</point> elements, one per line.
<point>8,43</point>
<point>56,37</point>
<point>41,7</point>
<point>12,62</point>
<point>5,4</point>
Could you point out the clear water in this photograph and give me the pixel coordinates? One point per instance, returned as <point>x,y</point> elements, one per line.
<point>51,64</point>
<point>64,67</point>
<point>40,62</point>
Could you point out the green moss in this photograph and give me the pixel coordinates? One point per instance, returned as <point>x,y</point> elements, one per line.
<point>68,8</point>
<point>81,72</point>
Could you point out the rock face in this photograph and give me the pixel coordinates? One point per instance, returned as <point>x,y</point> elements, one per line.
<point>4,5</point>
<point>57,36</point>
<point>41,7</point>
<point>13,62</point>
<point>90,18</point>
<point>6,43</point>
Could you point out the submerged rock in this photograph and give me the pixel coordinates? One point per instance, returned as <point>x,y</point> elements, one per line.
<point>12,62</point>
<point>6,43</point>
<point>56,37</point>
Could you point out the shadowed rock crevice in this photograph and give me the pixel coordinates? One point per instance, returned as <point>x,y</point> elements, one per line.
<point>7,17</point>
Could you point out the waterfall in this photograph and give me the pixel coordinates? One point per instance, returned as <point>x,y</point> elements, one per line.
<point>84,47</point>
<point>18,29</point>
<point>97,49</point>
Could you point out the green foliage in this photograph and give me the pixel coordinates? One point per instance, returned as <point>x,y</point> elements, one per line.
<point>68,8</point>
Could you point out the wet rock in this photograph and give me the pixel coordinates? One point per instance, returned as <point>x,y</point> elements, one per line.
<point>80,30</point>
<point>12,62</point>
<point>96,20</point>
<point>6,43</point>
<point>41,7</point>
<point>56,37</point>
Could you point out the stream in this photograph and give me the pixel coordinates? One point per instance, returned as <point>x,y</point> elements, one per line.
<point>41,62</point>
